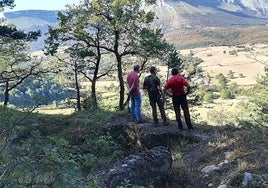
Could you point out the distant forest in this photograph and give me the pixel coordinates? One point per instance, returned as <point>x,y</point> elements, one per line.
<point>36,91</point>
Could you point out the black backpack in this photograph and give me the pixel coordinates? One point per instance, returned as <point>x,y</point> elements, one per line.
<point>151,84</point>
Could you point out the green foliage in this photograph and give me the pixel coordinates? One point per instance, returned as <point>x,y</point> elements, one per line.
<point>6,3</point>
<point>233,52</point>
<point>260,99</point>
<point>15,63</point>
<point>208,97</point>
<point>222,80</point>
<point>88,103</point>
<point>101,27</point>
<point>237,180</point>
<point>28,158</point>
<point>34,91</point>
<point>174,60</point>
<point>235,89</point>
<point>225,93</point>
<point>33,155</point>
<point>261,107</point>
<point>256,181</point>
<point>15,34</point>
<point>263,79</point>
<point>127,184</point>
<point>206,93</point>
<point>241,75</point>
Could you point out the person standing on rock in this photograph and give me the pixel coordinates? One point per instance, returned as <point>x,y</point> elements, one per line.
<point>152,85</point>
<point>177,84</point>
<point>133,85</point>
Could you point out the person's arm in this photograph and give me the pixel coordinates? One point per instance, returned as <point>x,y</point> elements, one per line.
<point>130,85</point>
<point>157,82</point>
<point>166,89</point>
<point>187,89</point>
<point>186,84</point>
<point>145,84</point>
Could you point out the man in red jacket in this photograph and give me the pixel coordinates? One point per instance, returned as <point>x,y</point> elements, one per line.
<point>177,85</point>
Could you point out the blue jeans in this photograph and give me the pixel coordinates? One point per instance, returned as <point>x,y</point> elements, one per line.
<point>135,108</point>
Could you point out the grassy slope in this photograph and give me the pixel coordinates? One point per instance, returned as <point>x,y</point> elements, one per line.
<point>242,148</point>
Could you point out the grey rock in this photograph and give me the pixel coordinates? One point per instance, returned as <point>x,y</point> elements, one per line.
<point>147,168</point>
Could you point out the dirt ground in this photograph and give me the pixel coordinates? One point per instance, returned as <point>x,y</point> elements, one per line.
<point>231,150</point>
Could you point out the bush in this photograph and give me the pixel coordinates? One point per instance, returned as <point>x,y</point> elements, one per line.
<point>208,97</point>
<point>226,94</point>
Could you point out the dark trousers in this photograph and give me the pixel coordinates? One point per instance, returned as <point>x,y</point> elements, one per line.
<point>156,99</point>
<point>179,102</point>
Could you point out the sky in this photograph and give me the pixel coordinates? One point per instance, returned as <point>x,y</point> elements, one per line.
<point>41,4</point>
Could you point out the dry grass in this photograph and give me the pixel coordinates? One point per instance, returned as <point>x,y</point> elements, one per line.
<point>218,60</point>
<point>50,110</point>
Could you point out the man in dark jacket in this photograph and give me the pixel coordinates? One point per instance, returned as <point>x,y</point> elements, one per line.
<point>177,84</point>
<point>152,85</point>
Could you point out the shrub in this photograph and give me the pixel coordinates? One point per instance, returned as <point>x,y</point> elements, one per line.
<point>226,94</point>
<point>208,97</point>
<point>230,74</point>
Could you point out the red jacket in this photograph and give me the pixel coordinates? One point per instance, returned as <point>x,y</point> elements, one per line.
<point>133,82</point>
<point>176,83</point>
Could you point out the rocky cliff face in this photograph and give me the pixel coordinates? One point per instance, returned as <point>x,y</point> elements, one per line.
<point>174,14</point>
<point>256,8</point>
<point>247,8</point>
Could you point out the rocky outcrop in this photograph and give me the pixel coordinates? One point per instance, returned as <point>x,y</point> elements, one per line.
<point>146,168</point>
<point>146,136</point>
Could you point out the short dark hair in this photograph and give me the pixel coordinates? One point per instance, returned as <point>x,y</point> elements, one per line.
<point>136,67</point>
<point>175,71</point>
<point>152,69</point>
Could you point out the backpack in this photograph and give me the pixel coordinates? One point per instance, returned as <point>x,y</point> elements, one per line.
<point>151,85</point>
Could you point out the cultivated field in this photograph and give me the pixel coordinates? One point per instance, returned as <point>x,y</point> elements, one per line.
<point>246,60</point>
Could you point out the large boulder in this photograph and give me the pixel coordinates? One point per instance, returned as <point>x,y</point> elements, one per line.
<point>147,136</point>
<point>146,168</point>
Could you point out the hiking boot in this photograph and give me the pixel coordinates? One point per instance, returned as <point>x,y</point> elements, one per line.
<point>180,127</point>
<point>156,124</point>
<point>166,123</point>
<point>191,128</point>
<point>140,122</point>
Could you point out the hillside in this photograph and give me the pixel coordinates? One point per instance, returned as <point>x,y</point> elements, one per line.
<point>202,23</point>
<point>57,145</point>
<point>33,20</point>
<point>70,150</point>
<point>49,16</point>
<point>246,8</point>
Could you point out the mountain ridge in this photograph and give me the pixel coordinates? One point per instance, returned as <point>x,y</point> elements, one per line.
<point>217,22</point>
<point>257,8</point>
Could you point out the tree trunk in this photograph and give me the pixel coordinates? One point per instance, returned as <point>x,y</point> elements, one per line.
<point>94,80</point>
<point>6,93</point>
<point>78,99</point>
<point>122,88</point>
<point>119,72</point>
<point>93,93</point>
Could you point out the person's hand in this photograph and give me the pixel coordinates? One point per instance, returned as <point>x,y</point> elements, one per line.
<point>187,90</point>
<point>168,93</point>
